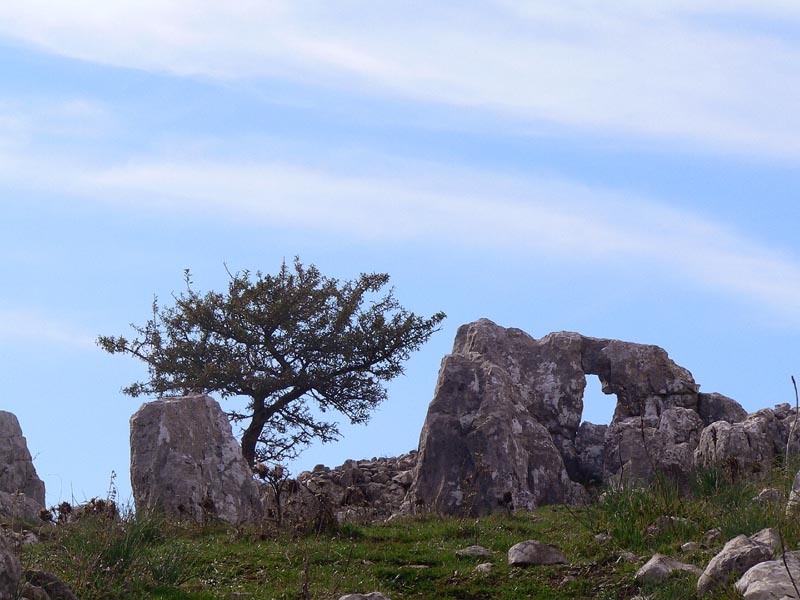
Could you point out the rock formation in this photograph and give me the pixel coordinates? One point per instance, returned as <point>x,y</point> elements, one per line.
<point>504,428</point>
<point>21,490</point>
<point>186,463</point>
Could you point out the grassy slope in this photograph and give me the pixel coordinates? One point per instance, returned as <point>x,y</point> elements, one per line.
<point>415,558</point>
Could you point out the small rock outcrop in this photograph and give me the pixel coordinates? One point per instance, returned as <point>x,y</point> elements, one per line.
<point>21,490</point>
<point>736,557</point>
<point>747,447</point>
<point>793,505</point>
<point>185,463</point>
<point>504,431</point>
<point>358,490</point>
<point>772,580</point>
<point>534,552</point>
<point>661,566</point>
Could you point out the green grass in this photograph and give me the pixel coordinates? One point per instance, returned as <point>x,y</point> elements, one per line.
<point>414,558</point>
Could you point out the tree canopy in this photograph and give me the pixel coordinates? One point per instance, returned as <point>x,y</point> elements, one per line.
<point>297,344</point>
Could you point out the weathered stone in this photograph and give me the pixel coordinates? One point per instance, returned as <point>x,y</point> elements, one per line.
<point>658,568</point>
<point>636,447</point>
<point>185,463</point>
<point>370,596</point>
<point>474,551</point>
<point>590,444</point>
<point>770,580</point>
<point>533,552</point>
<point>10,570</point>
<point>712,536</point>
<point>769,496</point>
<point>690,547</point>
<point>507,407</point>
<point>745,448</point>
<point>793,505</point>
<point>483,568</point>
<point>52,586</point>
<point>736,557</point>
<point>768,537</point>
<point>716,407</point>
<point>21,490</point>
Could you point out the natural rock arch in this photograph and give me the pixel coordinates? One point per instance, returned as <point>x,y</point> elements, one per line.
<point>504,427</point>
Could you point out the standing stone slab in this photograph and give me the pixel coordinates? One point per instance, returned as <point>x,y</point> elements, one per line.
<point>21,490</point>
<point>185,463</point>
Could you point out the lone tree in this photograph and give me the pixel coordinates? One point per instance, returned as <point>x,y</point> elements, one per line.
<point>298,344</point>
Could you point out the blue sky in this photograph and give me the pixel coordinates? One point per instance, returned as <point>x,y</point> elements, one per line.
<point>625,171</point>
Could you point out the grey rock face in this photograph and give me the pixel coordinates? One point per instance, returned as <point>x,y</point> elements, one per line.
<point>534,552</point>
<point>10,570</point>
<point>770,580</point>
<point>21,490</point>
<point>747,447</point>
<point>358,490</point>
<point>716,407</point>
<point>185,463</point>
<point>736,557</point>
<point>660,567</point>
<point>502,430</point>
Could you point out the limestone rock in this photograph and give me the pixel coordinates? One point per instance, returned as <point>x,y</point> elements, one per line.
<point>370,596</point>
<point>483,568</point>
<point>716,407</point>
<point>185,463</point>
<point>533,552</point>
<point>21,490</point>
<point>769,496</point>
<point>736,557</point>
<point>10,570</point>
<point>793,505</point>
<point>658,568</point>
<point>770,580</point>
<point>474,551</point>
<point>502,431</point>
<point>590,442</point>
<point>745,448</point>
<point>768,537</point>
<point>49,584</point>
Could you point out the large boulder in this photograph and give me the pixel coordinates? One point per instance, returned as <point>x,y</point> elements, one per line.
<point>21,490</point>
<point>745,448</point>
<point>735,558</point>
<point>502,429</point>
<point>185,463</point>
<point>772,579</point>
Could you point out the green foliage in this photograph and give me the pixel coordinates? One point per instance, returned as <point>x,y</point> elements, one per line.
<point>105,556</point>
<point>296,343</point>
<point>414,558</point>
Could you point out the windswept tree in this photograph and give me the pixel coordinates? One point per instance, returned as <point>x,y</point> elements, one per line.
<point>297,344</point>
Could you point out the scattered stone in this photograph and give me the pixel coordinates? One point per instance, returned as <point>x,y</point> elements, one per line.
<point>370,596</point>
<point>533,552</point>
<point>658,568</point>
<point>736,557</point>
<point>602,538</point>
<point>483,568</point>
<point>769,538</point>
<point>21,490</point>
<point>712,536</point>
<point>185,463</point>
<point>49,584</point>
<point>690,547</point>
<point>770,580</point>
<point>474,551</point>
<point>793,505</point>
<point>627,557</point>
<point>769,496</point>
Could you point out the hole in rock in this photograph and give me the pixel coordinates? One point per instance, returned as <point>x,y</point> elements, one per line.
<point>598,408</point>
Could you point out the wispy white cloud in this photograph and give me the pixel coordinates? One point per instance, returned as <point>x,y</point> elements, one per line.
<point>541,217</point>
<point>29,326</point>
<point>658,70</point>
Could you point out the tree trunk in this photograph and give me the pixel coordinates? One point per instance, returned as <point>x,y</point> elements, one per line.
<point>253,431</point>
